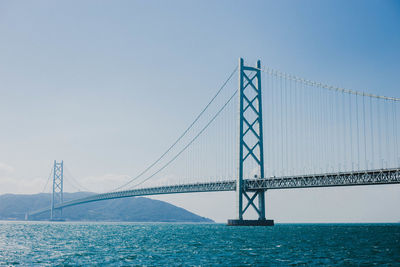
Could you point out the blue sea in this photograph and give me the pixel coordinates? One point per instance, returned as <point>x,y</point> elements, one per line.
<point>163,244</point>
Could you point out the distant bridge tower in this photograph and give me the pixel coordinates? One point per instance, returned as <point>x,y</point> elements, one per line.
<point>57,195</point>
<point>251,146</point>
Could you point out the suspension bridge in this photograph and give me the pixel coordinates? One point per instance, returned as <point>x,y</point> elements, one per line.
<point>273,131</point>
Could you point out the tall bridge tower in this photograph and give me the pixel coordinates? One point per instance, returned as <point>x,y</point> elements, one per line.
<point>251,148</point>
<point>57,195</point>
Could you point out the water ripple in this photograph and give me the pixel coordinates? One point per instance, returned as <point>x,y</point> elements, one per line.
<point>130,244</point>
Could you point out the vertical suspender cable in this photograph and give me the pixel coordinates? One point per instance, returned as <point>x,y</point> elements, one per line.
<point>322,128</point>
<point>310,139</point>
<point>358,136</point>
<point>295,132</point>
<point>320,135</point>
<point>309,148</point>
<point>290,129</point>
<point>281,116</point>
<point>344,133</point>
<point>272,129</point>
<point>312,130</point>
<point>309,132</point>
<point>379,135</point>
<point>395,125</point>
<point>351,132</point>
<point>332,137</point>
<point>372,165</point>
<point>316,130</point>
<point>307,129</point>
<point>286,130</point>
<point>302,127</point>
<point>365,135</point>
<point>326,130</point>
<point>387,134</point>
<point>265,115</point>
<point>305,144</point>
<point>276,126</point>
<point>337,123</point>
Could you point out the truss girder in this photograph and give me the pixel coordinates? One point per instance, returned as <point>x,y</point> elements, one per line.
<point>174,189</point>
<point>369,177</point>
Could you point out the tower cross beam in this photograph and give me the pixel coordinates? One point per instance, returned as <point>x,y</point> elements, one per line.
<point>250,82</point>
<point>250,201</point>
<point>250,127</point>
<point>250,152</point>
<point>250,104</point>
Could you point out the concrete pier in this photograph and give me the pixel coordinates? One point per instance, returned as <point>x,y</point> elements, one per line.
<point>236,222</point>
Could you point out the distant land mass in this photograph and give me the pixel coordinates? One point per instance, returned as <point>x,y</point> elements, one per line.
<point>133,209</point>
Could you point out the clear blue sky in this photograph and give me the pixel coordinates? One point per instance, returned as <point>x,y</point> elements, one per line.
<point>95,83</point>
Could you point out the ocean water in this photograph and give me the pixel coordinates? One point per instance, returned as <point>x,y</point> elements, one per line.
<point>138,244</point>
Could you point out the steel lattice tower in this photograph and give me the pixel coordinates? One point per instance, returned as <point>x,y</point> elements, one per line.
<point>251,146</point>
<point>57,195</point>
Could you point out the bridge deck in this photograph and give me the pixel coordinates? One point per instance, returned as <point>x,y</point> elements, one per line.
<point>369,177</point>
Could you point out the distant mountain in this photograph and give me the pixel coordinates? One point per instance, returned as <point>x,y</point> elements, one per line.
<point>133,209</point>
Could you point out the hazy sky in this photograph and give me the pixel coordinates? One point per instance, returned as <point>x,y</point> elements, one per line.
<point>106,86</point>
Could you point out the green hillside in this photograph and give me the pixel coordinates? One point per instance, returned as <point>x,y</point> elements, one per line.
<point>134,209</point>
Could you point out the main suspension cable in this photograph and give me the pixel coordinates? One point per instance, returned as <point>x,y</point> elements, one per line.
<point>181,136</point>
<point>47,182</point>
<point>322,85</point>
<point>191,141</point>
<point>78,185</point>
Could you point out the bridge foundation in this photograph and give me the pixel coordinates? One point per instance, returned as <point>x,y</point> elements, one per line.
<point>235,222</point>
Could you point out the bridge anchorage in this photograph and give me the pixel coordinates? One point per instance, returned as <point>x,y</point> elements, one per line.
<point>251,147</point>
